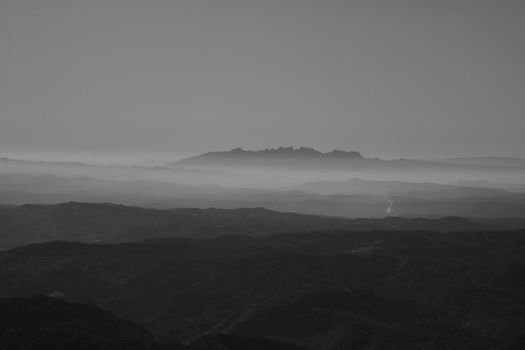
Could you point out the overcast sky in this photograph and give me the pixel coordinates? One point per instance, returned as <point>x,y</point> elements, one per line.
<point>388,78</point>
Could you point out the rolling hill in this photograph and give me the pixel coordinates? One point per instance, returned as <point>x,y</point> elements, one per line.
<point>103,222</point>
<point>322,290</point>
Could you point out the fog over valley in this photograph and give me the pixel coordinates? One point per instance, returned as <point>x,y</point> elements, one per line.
<point>300,180</point>
<point>262,175</point>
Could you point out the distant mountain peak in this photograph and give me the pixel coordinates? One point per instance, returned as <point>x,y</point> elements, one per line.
<point>296,151</point>
<point>280,152</point>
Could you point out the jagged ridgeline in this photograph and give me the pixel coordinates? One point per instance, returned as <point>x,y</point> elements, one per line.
<point>280,157</point>
<point>312,160</point>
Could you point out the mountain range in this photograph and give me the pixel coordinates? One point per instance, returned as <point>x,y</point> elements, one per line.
<point>356,186</point>
<point>305,157</point>
<point>320,290</point>
<point>104,222</point>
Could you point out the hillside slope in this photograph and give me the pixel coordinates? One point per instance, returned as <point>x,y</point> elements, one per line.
<point>322,290</point>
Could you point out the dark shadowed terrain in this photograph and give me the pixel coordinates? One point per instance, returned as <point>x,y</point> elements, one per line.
<point>40,322</point>
<point>321,290</point>
<point>105,222</point>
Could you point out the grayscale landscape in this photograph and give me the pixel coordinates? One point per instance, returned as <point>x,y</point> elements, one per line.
<point>262,175</point>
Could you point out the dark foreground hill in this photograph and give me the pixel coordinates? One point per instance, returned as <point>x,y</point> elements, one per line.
<point>40,322</point>
<point>90,222</point>
<point>325,290</point>
<point>46,323</point>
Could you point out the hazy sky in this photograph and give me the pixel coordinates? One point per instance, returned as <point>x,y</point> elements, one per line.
<point>389,78</point>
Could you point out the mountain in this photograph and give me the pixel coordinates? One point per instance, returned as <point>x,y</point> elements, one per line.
<point>225,174</point>
<point>41,322</point>
<point>98,222</point>
<point>104,222</point>
<point>519,188</point>
<point>487,161</point>
<point>281,157</point>
<point>356,186</point>
<point>352,198</point>
<point>321,290</point>
<point>310,159</point>
<point>276,153</point>
<point>9,161</point>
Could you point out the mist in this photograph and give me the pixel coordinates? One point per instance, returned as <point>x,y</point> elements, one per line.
<point>298,180</point>
<point>262,174</point>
